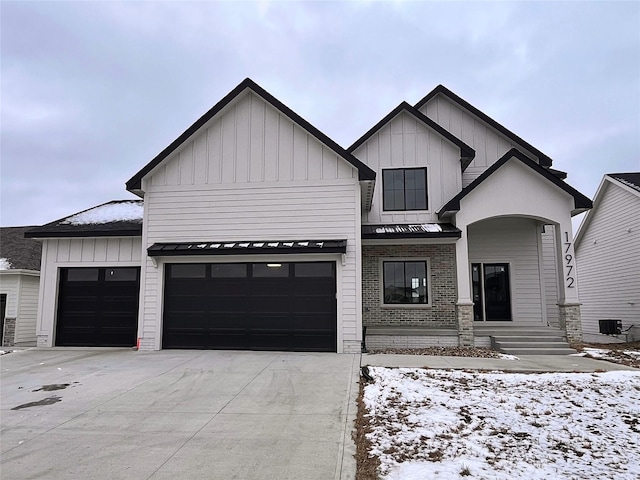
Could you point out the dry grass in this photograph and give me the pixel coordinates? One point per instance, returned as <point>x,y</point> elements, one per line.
<point>366,466</point>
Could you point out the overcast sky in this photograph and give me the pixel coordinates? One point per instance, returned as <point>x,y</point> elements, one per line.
<point>92,91</point>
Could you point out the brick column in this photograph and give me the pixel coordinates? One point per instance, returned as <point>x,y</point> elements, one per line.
<point>9,334</point>
<point>569,320</point>
<point>464,312</point>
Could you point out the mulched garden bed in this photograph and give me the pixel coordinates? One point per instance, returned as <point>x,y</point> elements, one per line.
<point>441,352</point>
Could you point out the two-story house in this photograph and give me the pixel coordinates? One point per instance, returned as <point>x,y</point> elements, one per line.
<point>257,231</point>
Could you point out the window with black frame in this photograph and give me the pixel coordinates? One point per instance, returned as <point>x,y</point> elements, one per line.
<point>404,189</point>
<point>405,282</point>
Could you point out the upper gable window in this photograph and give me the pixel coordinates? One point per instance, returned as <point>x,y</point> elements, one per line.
<point>404,189</point>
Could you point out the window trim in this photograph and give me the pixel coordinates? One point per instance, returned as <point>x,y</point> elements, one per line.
<point>426,187</point>
<point>381,262</point>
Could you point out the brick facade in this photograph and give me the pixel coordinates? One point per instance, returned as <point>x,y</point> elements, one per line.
<point>442,261</point>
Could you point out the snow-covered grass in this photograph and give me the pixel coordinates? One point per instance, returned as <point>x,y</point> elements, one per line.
<point>626,354</point>
<point>440,424</point>
<point>110,212</point>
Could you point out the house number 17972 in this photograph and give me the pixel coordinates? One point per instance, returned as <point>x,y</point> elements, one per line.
<point>569,261</point>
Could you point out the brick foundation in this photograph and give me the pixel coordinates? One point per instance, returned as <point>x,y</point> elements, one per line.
<point>569,320</point>
<point>351,346</point>
<point>441,314</point>
<point>384,342</point>
<point>147,344</point>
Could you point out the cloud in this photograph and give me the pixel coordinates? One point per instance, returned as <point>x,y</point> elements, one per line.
<point>93,90</point>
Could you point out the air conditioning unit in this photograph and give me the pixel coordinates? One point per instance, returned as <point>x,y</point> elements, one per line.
<point>610,327</point>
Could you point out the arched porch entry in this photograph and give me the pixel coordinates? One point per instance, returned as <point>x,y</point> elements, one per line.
<point>516,237</point>
<point>513,269</point>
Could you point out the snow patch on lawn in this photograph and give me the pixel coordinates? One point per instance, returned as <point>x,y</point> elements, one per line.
<point>610,355</point>
<point>111,212</point>
<point>441,424</point>
<point>506,356</point>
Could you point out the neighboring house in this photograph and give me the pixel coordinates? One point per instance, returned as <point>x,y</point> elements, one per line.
<point>260,232</point>
<point>19,280</point>
<point>608,256</point>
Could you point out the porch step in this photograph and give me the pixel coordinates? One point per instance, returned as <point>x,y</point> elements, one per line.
<point>531,343</point>
<point>537,351</point>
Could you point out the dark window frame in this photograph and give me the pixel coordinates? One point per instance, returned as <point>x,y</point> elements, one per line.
<point>408,199</point>
<point>406,299</point>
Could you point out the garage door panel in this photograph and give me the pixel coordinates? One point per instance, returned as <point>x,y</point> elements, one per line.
<point>228,321</point>
<point>79,304</point>
<point>263,288</point>
<point>314,342</point>
<point>232,287</point>
<point>313,304</point>
<point>318,287</point>
<point>98,307</point>
<point>270,322</point>
<point>186,320</point>
<point>313,322</point>
<point>270,341</point>
<point>124,305</point>
<point>290,307</point>
<point>186,303</point>
<point>266,305</point>
<point>229,304</point>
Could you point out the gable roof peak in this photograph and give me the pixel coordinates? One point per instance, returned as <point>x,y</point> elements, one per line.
<point>364,172</point>
<point>543,159</point>
<point>466,152</point>
<point>581,202</point>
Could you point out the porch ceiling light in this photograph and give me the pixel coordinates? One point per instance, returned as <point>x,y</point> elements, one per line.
<point>274,265</point>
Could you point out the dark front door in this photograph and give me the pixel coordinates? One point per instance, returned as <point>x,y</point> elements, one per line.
<point>491,292</point>
<point>98,307</point>
<point>250,306</point>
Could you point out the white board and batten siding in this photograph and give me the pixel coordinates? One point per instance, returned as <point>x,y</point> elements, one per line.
<point>513,241</point>
<point>406,142</point>
<point>75,253</point>
<point>489,144</point>
<point>608,261</point>
<point>252,174</point>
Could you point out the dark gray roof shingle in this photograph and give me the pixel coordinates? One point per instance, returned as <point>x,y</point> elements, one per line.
<point>22,253</point>
<point>631,179</point>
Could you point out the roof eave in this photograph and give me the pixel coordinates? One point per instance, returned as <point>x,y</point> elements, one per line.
<point>48,234</point>
<point>372,236</point>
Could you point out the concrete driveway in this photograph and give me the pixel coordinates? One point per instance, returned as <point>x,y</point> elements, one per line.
<point>110,414</point>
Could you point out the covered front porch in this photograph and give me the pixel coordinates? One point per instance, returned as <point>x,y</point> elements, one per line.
<point>514,264</point>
